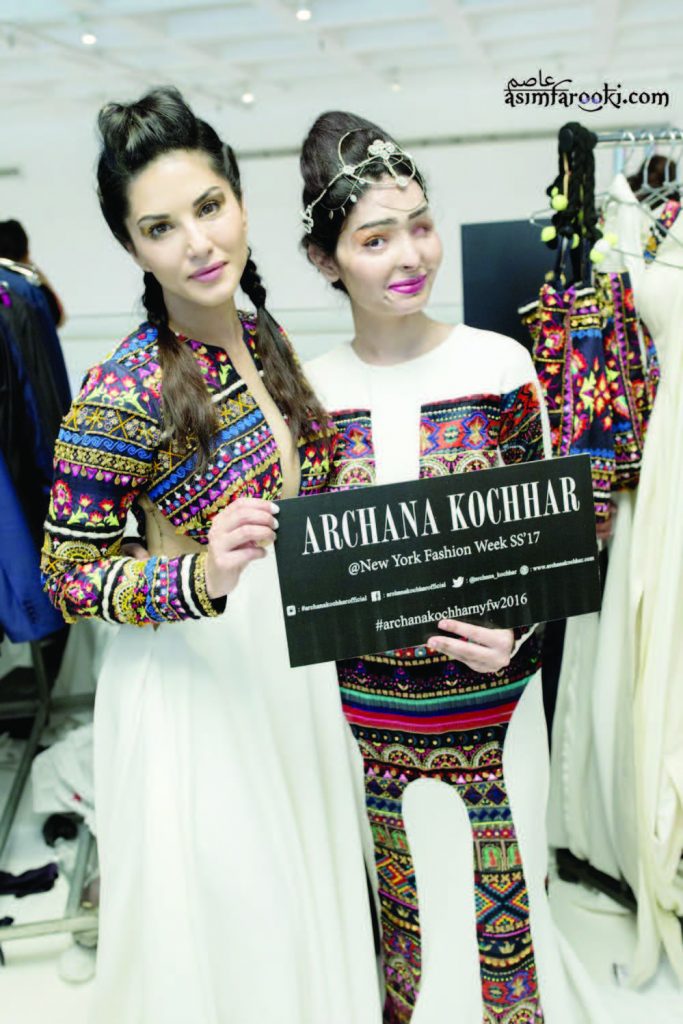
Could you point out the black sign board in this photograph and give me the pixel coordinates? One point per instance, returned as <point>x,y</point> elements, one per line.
<point>374,569</point>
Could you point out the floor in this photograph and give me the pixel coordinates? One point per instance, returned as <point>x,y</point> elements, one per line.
<point>32,991</point>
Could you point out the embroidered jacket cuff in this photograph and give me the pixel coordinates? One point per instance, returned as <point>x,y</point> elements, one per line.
<point>209,606</point>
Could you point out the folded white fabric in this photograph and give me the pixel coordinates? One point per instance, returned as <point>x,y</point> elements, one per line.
<point>62,776</point>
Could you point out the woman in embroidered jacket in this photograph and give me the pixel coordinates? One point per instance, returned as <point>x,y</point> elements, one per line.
<point>451,734</point>
<point>233,888</point>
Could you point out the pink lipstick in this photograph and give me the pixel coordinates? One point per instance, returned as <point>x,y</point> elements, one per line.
<point>209,273</point>
<point>409,286</point>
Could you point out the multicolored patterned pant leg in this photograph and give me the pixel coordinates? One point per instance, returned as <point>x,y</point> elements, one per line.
<point>471,761</point>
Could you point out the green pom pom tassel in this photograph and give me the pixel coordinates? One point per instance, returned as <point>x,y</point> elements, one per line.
<point>595,256</point>
<point>559,202</point>
<point>548,233</point>
<point>575,241</point>
<point>554,191</point>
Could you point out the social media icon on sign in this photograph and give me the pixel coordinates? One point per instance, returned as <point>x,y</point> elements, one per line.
<point>291,609</point>
<point>458,581</point>
<point>376,595</point>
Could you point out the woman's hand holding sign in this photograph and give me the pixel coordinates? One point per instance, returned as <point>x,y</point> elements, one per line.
<point>480,648</point>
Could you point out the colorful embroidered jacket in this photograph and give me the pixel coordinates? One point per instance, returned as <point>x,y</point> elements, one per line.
<point>112,454</point>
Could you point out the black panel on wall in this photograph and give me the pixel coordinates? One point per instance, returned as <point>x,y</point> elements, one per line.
<point>503,266</point>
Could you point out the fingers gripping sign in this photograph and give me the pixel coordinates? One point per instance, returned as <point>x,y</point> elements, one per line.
<point>238,535</point>
<point>480,648</point>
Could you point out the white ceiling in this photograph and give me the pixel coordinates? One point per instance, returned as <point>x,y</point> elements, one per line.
<point>217,50</point>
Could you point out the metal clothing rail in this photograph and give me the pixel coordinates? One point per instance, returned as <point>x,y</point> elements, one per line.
<point>639,137</point>
<point>626,141</point>
<point>41,707</point>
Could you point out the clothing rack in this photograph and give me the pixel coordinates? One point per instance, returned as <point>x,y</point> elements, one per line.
<point>569,867</point>
<point>627,140</point>
<point>35,380</point>
<point>41,707</point>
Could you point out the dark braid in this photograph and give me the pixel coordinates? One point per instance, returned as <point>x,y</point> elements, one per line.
<point>576,181</point>
<point>299,404</point>
<point>186,409</point>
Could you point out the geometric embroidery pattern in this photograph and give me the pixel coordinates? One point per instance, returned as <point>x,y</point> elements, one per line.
<point>112,452</point>
<point>588,347</point>
<point>415,714</point>
<point>352,458</point>
<point>410,687</point>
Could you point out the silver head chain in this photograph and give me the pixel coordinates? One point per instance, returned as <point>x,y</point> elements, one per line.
<point>387,152</point>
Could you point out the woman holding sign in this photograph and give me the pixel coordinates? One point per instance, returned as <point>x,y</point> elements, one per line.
<point>233,888</point>
<point>451,734</point>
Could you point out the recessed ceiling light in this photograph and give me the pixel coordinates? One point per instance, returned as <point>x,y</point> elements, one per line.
<point>395,86</point>
<point>304,13</point>
<point>88,39</point>
<point>247,97</point>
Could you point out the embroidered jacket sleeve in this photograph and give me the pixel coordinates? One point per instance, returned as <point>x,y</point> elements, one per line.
<point>103,459</point>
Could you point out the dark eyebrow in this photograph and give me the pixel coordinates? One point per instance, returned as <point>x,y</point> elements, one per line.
<point>392,220</point>
<point>198,202</point>
<point>209,192</point>
<point>153,216</point>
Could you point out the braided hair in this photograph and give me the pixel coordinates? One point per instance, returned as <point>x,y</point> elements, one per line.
<point>133,135</point>
<point>282,375</point>
<point>576,181</point>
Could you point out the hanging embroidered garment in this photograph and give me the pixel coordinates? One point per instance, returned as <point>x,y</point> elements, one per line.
<point>632,379</point>
<point>569,353</point>
<point>598,376</point>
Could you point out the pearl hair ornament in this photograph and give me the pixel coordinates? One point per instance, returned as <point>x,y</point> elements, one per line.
<point>383,150</point>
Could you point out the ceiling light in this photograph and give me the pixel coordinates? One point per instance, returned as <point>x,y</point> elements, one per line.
<point>88,39</point>
<point>304,13</point>
<point>247,97</point>
<point>395,86</point>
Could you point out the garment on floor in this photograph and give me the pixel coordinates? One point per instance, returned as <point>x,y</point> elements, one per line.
<point>29,882</point>
<point>62,776</point>
<point>453,764</point>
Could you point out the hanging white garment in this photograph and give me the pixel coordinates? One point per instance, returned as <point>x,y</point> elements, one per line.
<point>657,610</point>
<point>592,809</point>
<point>621,673</point>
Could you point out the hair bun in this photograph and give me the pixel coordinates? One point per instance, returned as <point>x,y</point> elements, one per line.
<point>161,114</point>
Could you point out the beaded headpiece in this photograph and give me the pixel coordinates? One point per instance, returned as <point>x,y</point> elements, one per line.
<point>387,152</point>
